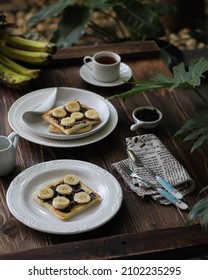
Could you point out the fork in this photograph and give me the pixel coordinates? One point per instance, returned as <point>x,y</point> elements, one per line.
<point>163,182</point>
<point>179,203</point>
<point>132,174</point>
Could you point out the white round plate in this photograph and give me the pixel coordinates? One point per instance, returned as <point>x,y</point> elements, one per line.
<point>39,126</point>
<point>22,104</point>
<point>125,75</point>
<point>20,200</point>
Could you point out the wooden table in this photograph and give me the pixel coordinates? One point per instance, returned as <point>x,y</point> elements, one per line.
<point>140,229</point>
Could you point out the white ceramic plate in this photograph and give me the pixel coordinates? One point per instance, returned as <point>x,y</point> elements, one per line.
<point>22,104</point>
<point>39,126</point>
<point>125,75</point>
<point>26,210</point>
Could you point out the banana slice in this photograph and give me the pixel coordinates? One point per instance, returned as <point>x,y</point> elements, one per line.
<point>45,193</point>
<point>72,180</point>
<point>59,112</point>
<point>84,129</point>
<point>68,121</point>
<point>82,197</point>
<point>77,116</point>
<point>60,202</point>
<point>64,189</point>
<point>73,106</point>
<point>92,114</point>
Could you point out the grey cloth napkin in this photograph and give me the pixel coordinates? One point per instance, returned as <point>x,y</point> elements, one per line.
<point>156,156</point>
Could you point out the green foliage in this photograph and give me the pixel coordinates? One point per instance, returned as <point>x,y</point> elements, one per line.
<point>70,26</point>
<point>181,78</point>
<point>141,20</point>
<point>196,126</point>
<point>200,210</point>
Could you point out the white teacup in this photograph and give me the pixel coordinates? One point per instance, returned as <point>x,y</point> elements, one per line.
<point>105,66</point>
<point>145,123</point>
<point>8,147</point>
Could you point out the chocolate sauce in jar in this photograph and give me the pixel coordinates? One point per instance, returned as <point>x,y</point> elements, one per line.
<point>147,115</point>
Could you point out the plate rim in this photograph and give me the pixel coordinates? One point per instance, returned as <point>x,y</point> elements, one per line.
<point>25,133</point>
<point>99,98</point>
<point>21,216</point>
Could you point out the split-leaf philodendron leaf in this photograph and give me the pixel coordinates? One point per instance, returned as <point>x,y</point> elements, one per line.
<point>190,78</point>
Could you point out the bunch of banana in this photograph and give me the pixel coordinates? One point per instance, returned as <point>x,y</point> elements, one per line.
<point>20,58</point>
<point>14,75</point>
<point>28,51</point>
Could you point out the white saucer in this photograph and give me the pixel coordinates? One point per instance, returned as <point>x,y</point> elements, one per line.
<point>125,75</point>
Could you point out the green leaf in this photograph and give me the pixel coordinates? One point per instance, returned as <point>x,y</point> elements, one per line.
<point>197,67</point>
<point>104,33</point>
<point>142,86</point>
<point>71,26</point>
<point>200,210</point>
<point>197,126</point>
<point>203,190</point>
<point>204,220</point>
<point>197,210</point>
<point>199,142</point>
<point>192,76</point>
<point>49,11</point>
<point>181,78</point>
<point>198,122</point>
<point>195,134</point>
<point>98,5</point>
<point>139,19</point>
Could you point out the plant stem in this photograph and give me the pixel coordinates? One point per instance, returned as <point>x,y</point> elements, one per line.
<point>117,22</point>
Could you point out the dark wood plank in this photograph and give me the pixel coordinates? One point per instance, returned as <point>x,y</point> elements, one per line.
<point>130,50</point>
<point>143,246</point>
<point>139,221</point>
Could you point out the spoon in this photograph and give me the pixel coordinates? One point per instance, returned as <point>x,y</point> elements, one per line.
<point>29,117</point>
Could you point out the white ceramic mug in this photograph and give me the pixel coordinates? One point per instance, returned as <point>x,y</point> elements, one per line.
<point>105,66</point>
<point>145,124</point>
<point>8,147</point>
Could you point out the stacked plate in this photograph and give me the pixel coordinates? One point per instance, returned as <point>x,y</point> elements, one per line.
<point>37,131</point>
<point>20,192</point>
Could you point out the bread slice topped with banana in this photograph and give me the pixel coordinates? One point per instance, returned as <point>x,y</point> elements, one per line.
<point>66,196</point>
<point>71,118</point>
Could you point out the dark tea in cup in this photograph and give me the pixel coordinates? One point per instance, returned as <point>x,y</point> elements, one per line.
<point>106,60</point>
<point>104,66</point>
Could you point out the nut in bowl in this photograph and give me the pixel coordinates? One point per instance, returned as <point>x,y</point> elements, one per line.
<point>146,117</point>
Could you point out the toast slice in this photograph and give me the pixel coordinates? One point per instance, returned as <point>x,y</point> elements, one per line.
<point>66,197</point>
<point>53,129</point>
<point>72,117</point>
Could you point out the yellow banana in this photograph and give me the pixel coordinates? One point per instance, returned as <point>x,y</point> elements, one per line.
<point>33,73</point>
<point>36,58</point>
<point>31,45</point>
<point>12,79</point>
